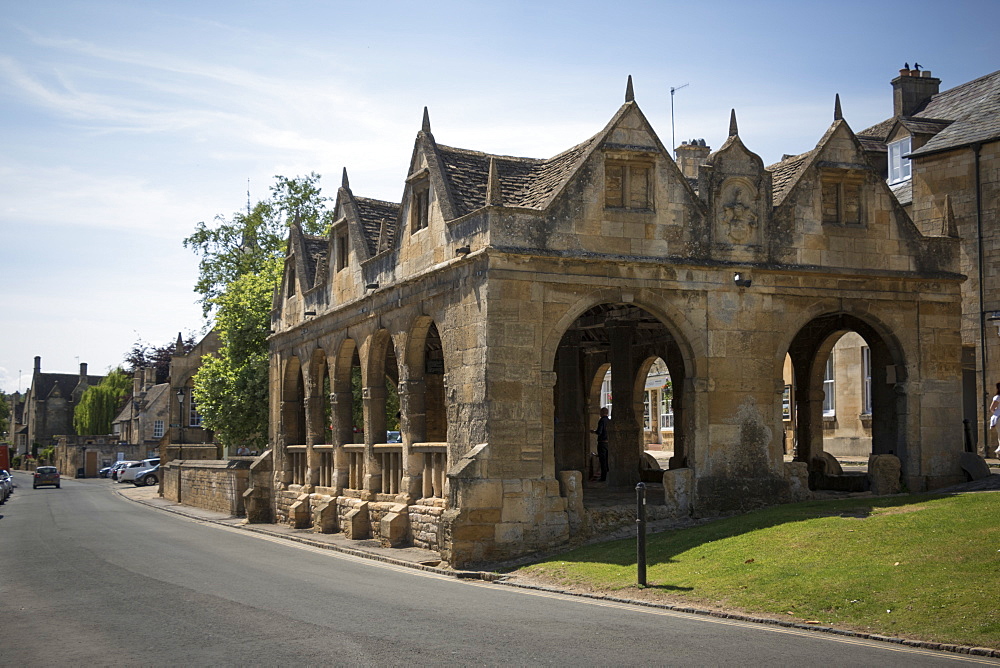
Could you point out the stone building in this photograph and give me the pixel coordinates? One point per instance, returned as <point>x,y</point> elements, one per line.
<point>143,421</point>
<point>184,433</point>
<point>49,404</point>
<point>495,297</point>
<point>938,152</point>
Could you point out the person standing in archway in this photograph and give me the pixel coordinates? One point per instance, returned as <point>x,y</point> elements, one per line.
<point>602,441</point>
<point>995,417</point>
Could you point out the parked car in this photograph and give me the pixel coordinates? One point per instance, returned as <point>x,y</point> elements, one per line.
<point>393,437</point>
<point>129,472</point>
<point>105,472</point>
<point>46,475</point>
<point>147,476</point>
<point>6,485</point>
<point>116,469</point>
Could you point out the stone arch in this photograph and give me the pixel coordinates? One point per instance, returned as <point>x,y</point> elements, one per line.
<point>422,391</point>
<point>317,399</point>
<point>673,318</point>
<point>627,336</point>
<point>811,347</point>
<point>293,416</point>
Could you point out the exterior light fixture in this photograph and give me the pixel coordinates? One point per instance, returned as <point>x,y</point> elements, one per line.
<point>464,250</point>
<point>371,286</point>
<point>310,313</point>
<point>742,280</point>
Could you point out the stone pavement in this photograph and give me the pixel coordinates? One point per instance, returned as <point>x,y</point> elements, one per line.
<point>413,557</point>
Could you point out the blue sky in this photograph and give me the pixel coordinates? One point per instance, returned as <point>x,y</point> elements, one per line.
<point>123,124</point>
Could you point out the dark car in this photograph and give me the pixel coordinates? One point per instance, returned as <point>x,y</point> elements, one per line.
<point>105,472</point>
<point>46,475</point>
<point>147,477</point>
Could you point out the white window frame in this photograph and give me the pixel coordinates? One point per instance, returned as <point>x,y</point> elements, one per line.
<point>666,412</point>
<point>157,428</point>
<point>194,417</point>
<point>866,380</point>
<point>829,389</point>
<point>899,167</point>
<point>646,414</point>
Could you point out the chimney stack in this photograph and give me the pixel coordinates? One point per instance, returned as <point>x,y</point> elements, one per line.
<point>38,364</point>
<point>83,370</point>
<point>911,90</point>
<point>137,382</point>
<point>150,378</point>
<point>690,155</point>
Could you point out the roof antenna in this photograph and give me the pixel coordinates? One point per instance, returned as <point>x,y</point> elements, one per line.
<point>673,134</point>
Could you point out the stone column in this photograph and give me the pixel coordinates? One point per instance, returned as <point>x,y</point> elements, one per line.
<point>342,419</point>
<point>626,433</point>
<point>809,428</point>
<point>313,405</point>
<point>682,389</point>
<point>374,403</point>
<point>412,427</point>
<point>570,424</point>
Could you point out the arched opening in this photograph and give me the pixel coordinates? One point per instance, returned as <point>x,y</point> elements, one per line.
<point>347,417</point>
<point>382,416</point>
<point>605,358</point>
<point>843,401</point>
<point>424,412</point>
<point>293,420</point>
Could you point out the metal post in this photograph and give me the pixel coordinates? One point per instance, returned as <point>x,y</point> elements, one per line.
<point>640,538</point>
<point>968,435</point>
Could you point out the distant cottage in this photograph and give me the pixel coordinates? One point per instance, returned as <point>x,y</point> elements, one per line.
<point>490,305</point>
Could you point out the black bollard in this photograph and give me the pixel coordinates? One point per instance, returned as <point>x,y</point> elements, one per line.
<point>640,537</point>
<point>968,435</point>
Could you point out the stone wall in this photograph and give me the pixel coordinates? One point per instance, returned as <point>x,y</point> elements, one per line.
<point>212,484</point>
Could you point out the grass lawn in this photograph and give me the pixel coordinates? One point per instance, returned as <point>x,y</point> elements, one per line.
<point>924,567</point>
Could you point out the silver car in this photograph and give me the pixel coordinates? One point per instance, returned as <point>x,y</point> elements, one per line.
<point>129,473</point>
<point>6,485</point>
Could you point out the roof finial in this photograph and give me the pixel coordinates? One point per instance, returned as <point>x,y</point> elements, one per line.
<point>494,195</point>
<point>344,183</point>
<point>178,347</point>
<point>629,93</point>
<point>733,130</point>
<point>838,114</point>
<point>425,126</point>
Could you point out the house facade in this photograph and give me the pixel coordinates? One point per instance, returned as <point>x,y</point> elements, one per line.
<point>49,404</point>
<point>491,302</point>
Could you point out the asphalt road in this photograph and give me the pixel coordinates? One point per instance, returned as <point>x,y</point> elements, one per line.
<point>87,577</point>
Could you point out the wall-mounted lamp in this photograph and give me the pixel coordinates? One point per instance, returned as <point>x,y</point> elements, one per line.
<point>371,286</point>
<point>994,319</point>
<point>742,280</point>
<point>309,313</point>
<point>464,250</point>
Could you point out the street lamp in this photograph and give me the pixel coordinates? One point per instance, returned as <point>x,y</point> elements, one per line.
<point>180,416</point>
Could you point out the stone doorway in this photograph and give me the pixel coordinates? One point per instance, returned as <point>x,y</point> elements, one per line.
<point>872,392</point>
<point>627,340</point>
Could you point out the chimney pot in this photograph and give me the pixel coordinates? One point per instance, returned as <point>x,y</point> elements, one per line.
<point>38,364</point>
<point>83,369</point>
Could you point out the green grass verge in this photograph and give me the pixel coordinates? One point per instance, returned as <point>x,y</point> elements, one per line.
<point>923,567</point>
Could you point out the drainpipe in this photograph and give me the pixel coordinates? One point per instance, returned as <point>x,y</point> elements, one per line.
<point>982,302</point>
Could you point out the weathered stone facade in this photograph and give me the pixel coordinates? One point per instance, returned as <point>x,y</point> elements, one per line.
<point>495,297</point>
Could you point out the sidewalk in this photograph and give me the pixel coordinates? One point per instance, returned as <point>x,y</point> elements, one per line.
<point>411,557</point>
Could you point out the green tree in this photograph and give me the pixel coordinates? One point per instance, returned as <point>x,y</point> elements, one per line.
<point>5,403</point>
<point>251,239</point>
<point>100,404</point>
<point>231,388</point>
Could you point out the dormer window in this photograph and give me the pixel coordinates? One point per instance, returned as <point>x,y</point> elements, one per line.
<point>419,205</point>
<point>843,202</point>
<point>899,167</point>
<point>628,185</point>
<point>290,286</point>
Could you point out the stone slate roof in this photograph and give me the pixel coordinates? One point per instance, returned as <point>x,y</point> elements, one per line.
<point>524,182</point>
<point>785,174</point>
<point>372,212</point>
<point>315,254</point>
<point>957,117</point>
<point>903,191</point>
<point>44,383</point>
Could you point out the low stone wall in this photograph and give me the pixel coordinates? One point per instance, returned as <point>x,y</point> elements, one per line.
<point>425,523</point>
<point>210,484</point>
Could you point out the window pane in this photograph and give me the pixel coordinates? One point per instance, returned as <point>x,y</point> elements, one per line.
<point>829,403</point>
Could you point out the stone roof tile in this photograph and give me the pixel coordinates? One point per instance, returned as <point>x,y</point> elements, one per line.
<point>372,212</point>
<point>785,174</point>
